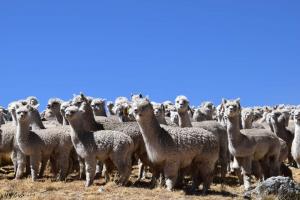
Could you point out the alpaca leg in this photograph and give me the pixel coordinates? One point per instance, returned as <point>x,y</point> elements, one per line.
<point>90,168</point>
<point>81,168</point>
<point>274,166</point>
<point>171,172</point>
<point>43,166</point>
<point>196,178</point>
<point>28,169</point>
<point>14,159</point>
<point>34,165</point>
<point>141,170</point>
<point>107,170</point>
<point>53,164</point>
<point>265,166</point>
<point>21,164</point>
<point>246,164</point>
<point>99,168</point>
<point>63,165</point>
<point>156,175</point>
<point>257,170</point>
<point>206,173</point>
<point>124,168</point>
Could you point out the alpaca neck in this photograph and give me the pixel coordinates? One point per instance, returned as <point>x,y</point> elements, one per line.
<point>297,132</point>
<point>184,119</point>
<point>59,117</point>
<point>65,121</point>
<point>90,122</point>
<point>100,112</point>
<point>233,130</point>
<point>14,118</point>
<point>23,130</point>
<point>151,132</point>
<point>78,129</point>
<point>246,124</point>
<point>161,119</point>
<point>278,129</point>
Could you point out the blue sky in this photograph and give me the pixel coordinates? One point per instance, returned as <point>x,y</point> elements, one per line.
<point>205,50</point>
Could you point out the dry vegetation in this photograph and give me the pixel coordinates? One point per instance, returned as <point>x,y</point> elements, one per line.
<point>47,188</point>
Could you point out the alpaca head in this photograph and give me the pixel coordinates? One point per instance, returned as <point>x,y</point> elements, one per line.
<point>135,97</point>
<point>247,115</point>
<point>54,105</point>
<point>168,106</point>
<point>159,110</point>
<point>73,114</point>
<point>182,104</point>
<point>199,115</point>
<point>23,113</point>
<point>142,109</point>
<point>276,118</point>
<point>64,106</point>
<point>98,104</point>
<point>207,107</point>
<point>297,116</point>
<point>232,108</point>
<point>32,100</point>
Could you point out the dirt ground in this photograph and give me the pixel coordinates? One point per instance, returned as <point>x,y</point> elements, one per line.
<point>47,188</point>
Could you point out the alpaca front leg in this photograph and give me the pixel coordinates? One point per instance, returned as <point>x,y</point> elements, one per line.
<point>43,166</point>
<point>34,165</point>
<point>81,168</point>
<point>63,165</point>
<point>141,170</point>
<point>246,171</point>
<point>14,159</point>
<point>99,168</point>
<point>90,168</point>
<point>21,164</point>
<point>171,173</point>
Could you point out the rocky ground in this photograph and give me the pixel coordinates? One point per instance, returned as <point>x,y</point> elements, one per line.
<point>47,188</point>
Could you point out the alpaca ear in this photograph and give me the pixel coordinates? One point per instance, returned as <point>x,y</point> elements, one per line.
<point>224,101</point>
<point>163,107</point>
<point>140,95</point>
<point>238,100</point>
<point>83,97</point>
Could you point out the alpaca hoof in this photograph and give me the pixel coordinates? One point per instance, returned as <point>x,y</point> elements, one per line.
<point>98,175</point>
<point>247,195</point>
<point>88,183</point>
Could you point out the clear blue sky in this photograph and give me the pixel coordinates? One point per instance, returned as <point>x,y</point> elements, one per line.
<point>205,50</point>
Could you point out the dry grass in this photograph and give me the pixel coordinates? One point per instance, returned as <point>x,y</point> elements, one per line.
<point>74,189</point>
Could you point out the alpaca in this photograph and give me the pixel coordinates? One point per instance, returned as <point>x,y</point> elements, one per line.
<point>296,141</point>
<point>98,106</point>
<point>174,149</point>
<point>54,105</point>
<point>250,144</point>
<point>106,146</point>
<point>182,106</point>
<point>159,112</point>
<point>31,100</point>
<point>278,124</point>
<point>129,128</point>
<point>39,145</point>
<point>205,112</point>
<point>110,106</point>
<point>8,144</point>
<point>63,107</point>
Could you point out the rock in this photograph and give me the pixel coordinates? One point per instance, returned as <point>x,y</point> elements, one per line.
<point>283,188</point>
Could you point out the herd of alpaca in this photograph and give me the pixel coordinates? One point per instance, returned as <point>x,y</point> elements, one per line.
<point>174,141</point>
